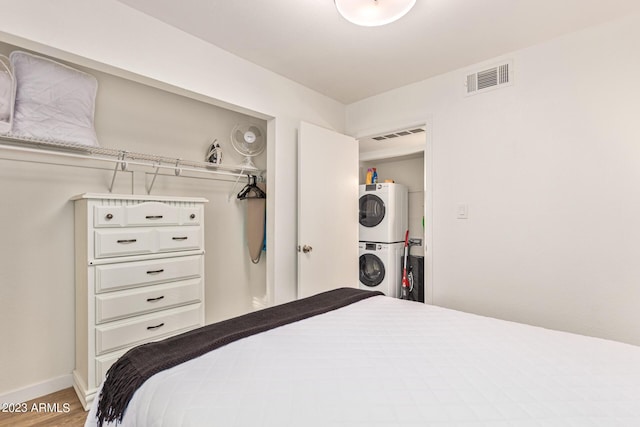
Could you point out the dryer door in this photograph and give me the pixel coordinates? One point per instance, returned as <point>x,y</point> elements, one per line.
<point>372,210</point>
<point>371,270</point>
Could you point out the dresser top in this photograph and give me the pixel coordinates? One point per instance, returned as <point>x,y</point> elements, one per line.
<point>146,198</point>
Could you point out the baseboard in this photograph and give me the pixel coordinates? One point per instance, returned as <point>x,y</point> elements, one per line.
<point>84,395</point>
<point>37,390</point>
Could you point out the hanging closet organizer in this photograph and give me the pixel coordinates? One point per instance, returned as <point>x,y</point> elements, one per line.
<point>122,158</point>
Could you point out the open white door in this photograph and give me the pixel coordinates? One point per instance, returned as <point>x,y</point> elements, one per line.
<point>327,210</point>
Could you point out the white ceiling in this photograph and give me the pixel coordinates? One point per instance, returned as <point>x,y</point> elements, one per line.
<point>308,42</point>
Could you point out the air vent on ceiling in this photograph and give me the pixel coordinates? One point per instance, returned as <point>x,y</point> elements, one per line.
<point>397,134</point>
<point>490,78</point>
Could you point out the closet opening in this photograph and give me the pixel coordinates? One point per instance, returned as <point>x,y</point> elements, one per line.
<point>400,158</point>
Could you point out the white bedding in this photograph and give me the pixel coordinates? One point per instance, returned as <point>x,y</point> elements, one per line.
<point>53,101</point>
<point>7,94</point>
<point>387,362</point>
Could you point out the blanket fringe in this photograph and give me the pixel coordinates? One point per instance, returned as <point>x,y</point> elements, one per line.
<point>122,380</point>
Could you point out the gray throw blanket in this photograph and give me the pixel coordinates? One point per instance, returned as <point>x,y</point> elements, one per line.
<point>140,363</point>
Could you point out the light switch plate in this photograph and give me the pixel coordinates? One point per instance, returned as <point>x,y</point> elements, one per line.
<point>462,211</point>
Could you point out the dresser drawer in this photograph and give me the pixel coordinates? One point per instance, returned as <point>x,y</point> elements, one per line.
<point>127,303</point>
<point>151,213</point>
<point>112,277</point>
<point>140,241</point>
<point>178,239</point>
<point>124,333</point>
<point>191,215</point>
<point>111,243</point>
<point>103,363</point>
<point>108,216</point>
<point>146,214</point>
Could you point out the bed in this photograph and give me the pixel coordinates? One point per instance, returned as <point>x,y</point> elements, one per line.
<point>381,361</point>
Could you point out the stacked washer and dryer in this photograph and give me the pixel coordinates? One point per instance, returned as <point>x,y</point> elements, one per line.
<point>384,219</point>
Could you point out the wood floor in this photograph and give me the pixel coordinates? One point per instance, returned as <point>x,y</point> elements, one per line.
<point>61,408</point>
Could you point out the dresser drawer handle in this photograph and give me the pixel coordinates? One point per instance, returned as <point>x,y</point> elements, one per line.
<point>155,327</point>
<point>192,216</point>
<point>180,238</point>
<point>109,216</point>
<point>153,216</point>
<point>127,241</point>
<point>155,299</point>
<point>155,271</point>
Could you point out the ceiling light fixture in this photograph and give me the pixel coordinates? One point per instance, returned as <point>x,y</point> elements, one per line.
<point>372,13</point>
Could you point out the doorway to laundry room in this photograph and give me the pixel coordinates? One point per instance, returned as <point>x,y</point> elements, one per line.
<point>393,199</point>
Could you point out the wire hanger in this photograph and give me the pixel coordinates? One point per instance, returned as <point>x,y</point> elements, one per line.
<point>251,190</point>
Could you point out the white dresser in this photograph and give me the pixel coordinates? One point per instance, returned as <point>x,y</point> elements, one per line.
<point>139,277</point>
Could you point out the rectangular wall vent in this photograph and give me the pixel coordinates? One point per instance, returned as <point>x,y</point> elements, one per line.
<point>397,134</point>
<point>490,78</point>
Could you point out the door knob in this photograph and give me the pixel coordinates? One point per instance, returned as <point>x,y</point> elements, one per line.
<point>306,249</point>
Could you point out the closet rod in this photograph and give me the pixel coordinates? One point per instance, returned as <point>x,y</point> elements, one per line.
<point>123,159</point>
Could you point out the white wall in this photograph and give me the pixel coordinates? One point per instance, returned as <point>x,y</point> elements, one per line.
<point>109,36</point>
<point>550,168</point>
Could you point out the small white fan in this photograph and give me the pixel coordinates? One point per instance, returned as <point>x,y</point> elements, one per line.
<point>248,140</point>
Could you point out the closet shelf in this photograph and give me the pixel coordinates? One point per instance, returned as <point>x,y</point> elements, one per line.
<point>122,158</point>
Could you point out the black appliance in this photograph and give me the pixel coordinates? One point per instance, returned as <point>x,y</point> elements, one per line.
<point>415,266</point>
